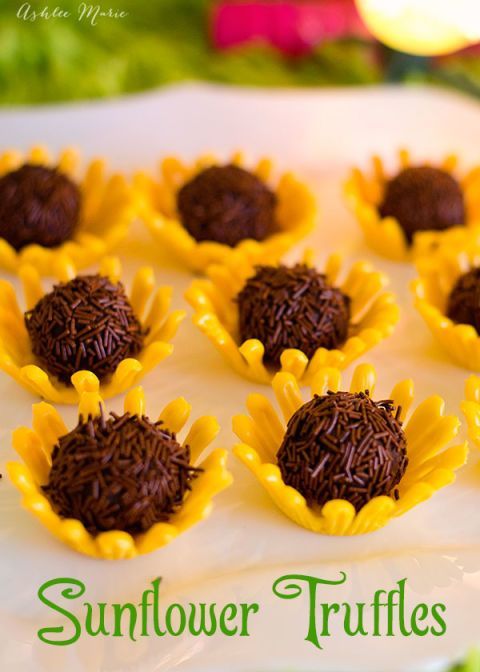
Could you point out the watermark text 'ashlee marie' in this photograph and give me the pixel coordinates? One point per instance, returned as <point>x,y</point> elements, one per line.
<point>89,13</point>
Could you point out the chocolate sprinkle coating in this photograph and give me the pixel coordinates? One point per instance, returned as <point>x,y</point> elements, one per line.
<point>463,306</point>
<point>38,205</point>
<point>344,446</point>
<point>292,308</point>
<point>423,198</point>
<point>119,473</point>
<point>227,204</point>
<point>86,323</point>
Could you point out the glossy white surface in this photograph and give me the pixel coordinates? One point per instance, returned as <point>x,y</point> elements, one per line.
<point>247,543</point>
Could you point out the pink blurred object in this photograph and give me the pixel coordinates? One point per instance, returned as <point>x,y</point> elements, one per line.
<point>293,27</point>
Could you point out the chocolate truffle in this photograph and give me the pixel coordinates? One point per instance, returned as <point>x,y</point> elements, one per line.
<point>422,199</point>
<point>118,473</point>
<point>86,323</point>
<point>227,204</point>
<point>38,205</point>
<point>343,446</point>
<point>292,308</point>
<point>463,306</point>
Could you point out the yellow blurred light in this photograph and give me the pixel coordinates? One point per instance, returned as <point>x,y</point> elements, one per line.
<point>423,27</point>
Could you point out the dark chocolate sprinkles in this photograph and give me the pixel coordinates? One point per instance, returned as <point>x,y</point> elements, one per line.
<point>344,446</point>
<point>86,323</point>
<point>119,473</point>
<point>292,308</point>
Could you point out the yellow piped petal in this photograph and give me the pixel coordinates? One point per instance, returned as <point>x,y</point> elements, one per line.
<point>143,285</point>
<point>327,378</point>
<point>402,396</point>
<point>294,362</point>
<point>47,424</point>
<point>32,285</point>
<point>201,434</point>
<point>135,402</point>
<point>32,451</point>
<point>253,351</point>
<point>159,308</point>
<point>68,161</point>
<point>364,378</point>
<point>269,428</point>
<point>85,381</point>
<point>64,268</point>
<point>39,155</point>
<point>111,267</point>
<point>175,414</point>
<point>287,393</point>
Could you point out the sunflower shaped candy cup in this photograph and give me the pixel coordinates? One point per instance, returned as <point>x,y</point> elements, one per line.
<point>117,486</point>
<point>446,295</point>
<point>202,212</point>
<point>411,213</point>
<point>86,322</point>
<point>266,318</point>
<point>471,408</point>
<point>48,208</point>
<point>342,463</point>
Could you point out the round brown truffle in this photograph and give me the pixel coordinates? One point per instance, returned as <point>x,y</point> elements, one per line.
<point>227,204</point>
<point>463,306</point>
<point>422,199</point>
<point>292,308</point>
<point>84,324</point>
<point>343,446</point>
<point>38,205</point>
<point>121,473</point>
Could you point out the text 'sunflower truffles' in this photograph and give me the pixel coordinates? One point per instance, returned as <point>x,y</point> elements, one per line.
<point>38,205</point>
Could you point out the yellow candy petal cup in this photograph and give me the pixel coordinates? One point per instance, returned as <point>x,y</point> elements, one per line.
<point>150,304</point>
<point>437,274</point>
<point>295,215</point>
<point>364,193</point>
<point>428,431</point>
<point>35,447</point>
<point>374,316</point>
<point>108,208</point>
<point>471,408</point>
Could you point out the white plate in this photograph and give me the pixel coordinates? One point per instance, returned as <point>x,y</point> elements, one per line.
<point>237,553</point>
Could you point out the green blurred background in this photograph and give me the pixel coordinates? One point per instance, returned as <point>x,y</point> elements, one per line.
<point>164,41</point>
